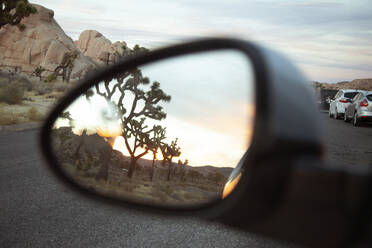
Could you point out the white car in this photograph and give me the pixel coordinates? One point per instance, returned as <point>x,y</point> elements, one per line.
<point>360,110</point>
<point>340,102</point>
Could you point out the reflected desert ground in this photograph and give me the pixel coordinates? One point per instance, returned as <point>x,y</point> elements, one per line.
<point>91,161</point>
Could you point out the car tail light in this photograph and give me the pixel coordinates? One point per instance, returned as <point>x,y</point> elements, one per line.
<point>343,100</point>
<point>364,103</point>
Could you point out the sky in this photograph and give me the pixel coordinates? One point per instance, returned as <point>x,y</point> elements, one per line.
<point>211,109</point>
<point>330,41</point>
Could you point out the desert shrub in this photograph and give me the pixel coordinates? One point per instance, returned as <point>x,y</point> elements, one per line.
<point>11,94</point>
<point>128,187</point>
<point>7,118</point>
<point>34,115</point>
<point>22,81</point>
<point>60,87</point>
<point>42,90</point>
<point>50,78</point>
<point>158,193</point>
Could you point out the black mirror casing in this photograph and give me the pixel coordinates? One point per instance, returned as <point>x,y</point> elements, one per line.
<point>287,134</point>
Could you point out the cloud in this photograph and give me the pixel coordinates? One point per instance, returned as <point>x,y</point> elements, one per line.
<point>332,29</point>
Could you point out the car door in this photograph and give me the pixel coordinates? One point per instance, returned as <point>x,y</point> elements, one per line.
<point>351,108</point>
<point>357,103</point>
<point>369,99</point>
<point>332,105</point>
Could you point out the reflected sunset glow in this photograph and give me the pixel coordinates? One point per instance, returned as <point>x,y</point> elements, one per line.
<point>210,114</point>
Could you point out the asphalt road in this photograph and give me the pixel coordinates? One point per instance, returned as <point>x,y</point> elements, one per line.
<point>346,144</point>
<point>37,211</point>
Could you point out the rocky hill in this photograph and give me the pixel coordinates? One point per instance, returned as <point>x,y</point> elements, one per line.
<point>44,43</point>
<point>360,84</point>
<point>97,47</point>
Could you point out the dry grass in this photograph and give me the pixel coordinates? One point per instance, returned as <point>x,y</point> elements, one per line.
<point>141,189</point>
<point>34,115</point>
<point>9,118</point>
<point>11,94</point>
<point>54,95</point>
<point>60,87</point>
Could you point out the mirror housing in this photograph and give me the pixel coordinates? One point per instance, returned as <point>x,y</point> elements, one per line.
<point>286,130</point>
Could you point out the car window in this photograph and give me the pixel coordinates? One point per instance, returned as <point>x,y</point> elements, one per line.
<point>369,97</point>
<point>350,94</point>
<point>356,97</point>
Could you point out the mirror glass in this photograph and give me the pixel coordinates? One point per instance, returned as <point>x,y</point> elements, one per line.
<point>168,133</point>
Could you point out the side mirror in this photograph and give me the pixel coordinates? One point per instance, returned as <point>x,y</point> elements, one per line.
<point>201,129</point>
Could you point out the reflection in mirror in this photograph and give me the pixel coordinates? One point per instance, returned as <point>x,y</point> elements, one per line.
<point>168,133</point>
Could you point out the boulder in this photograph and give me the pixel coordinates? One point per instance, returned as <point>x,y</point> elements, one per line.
<point>96,46</point>
<point>42,43</point>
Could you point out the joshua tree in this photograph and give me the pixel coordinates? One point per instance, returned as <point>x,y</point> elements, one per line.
<point>66,115</point>
<point>183,169</point>
<point>88,94</point>
<point>13,11</point>
<point>141,138</point>
<point>194,175</point>
<point>168,152</point>
<point>65,68</point>
<point>216,177</point>
<point>148,100</point>
<point>38,71</point>
<point>154,145</point>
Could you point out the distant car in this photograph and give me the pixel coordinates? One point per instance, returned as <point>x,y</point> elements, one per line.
<point>325,96</point>
<point>360,110</point>
<point>340,102</point>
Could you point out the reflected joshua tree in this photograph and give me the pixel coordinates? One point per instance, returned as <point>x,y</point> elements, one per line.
<point>155,141</point>
<point>168,152</point>
<point>145,104</point>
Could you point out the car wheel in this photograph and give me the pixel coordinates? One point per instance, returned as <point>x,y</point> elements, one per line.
<point>355,120</point>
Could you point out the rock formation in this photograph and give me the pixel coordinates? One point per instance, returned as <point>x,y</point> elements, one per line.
<point>359,84</point>
<point>96,46</point>
<point>42,43</point>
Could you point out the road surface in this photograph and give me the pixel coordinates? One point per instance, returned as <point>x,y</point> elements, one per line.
<point>37,211</point>
<point>347,144</point>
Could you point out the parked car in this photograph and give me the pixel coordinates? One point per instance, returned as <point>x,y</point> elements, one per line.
<point>325,96</point>
<point>360,110</point>
<point>340,102</point>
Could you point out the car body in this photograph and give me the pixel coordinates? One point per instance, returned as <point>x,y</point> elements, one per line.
<point>360,110</point>
<point>340,102</point>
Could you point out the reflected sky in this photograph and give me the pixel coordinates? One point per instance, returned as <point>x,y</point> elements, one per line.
<point>211,110</point>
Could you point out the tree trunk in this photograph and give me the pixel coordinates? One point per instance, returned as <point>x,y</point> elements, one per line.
<point>152,169</point>
<point>169,170</point>
<point>132,167</point>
